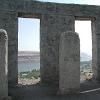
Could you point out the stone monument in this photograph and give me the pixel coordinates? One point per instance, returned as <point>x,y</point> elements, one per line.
<point>69,63</point>
<point>3,65</point>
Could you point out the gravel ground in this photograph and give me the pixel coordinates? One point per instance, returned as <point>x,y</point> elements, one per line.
<point>26,81</point>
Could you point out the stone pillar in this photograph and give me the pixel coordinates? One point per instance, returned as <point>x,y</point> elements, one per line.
<point>69,63</point>
<point>96,48</point>
<point>3,64</point>
<point>51,27</point>
<point>9,22</point>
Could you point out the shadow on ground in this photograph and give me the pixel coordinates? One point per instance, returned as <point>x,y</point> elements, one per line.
<point>46,92</point>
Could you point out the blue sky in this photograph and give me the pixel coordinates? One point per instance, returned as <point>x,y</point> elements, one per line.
<point>83,28</point>
<point>90,2</point>
<point>28,34</point>
<point>29,30</point>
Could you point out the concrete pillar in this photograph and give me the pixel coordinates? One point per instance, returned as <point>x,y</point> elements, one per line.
<point>3,64</point>
<point>9,22</point>
<point>96,48</point>
<point>51,27</point>
<point>69,63</point>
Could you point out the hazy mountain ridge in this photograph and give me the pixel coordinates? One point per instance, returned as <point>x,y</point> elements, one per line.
<point>35,56</point>
<point>28,56</point>
<point>85,57</point>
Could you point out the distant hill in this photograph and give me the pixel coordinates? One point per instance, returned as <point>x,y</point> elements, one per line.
<point>85,57</point>
<point>28,56</point>
<point>35,56</point>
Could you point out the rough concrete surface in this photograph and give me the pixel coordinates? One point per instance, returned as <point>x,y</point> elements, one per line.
<point>69,63</point>
<point>55,19</point>
<point>3,64</point>
<point>45,92</point>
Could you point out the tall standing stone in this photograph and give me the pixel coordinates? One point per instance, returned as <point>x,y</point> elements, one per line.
<point>9,22</point>
<point>69,63</point>
<point>3,64</point>
<point>51,28</point>
<point>96,48</point>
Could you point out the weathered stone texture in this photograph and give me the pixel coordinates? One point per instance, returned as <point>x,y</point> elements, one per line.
<point>51,27</point>
<point>8,21</point>
<point>96,48</point>
<point>69,63</point>
<point>3,64</point>
<point>55,19</point>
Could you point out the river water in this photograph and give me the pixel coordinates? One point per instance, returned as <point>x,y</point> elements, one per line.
<point>27,66</point>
